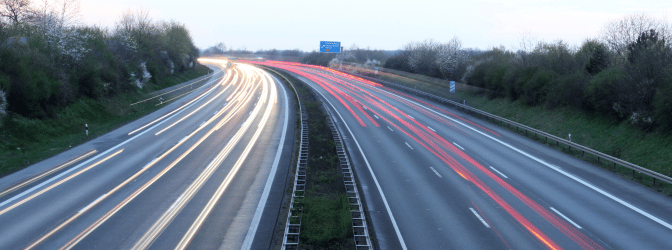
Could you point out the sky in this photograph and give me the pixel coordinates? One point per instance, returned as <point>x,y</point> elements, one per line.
<point>386,25</point>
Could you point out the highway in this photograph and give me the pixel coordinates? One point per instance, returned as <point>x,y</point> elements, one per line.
<point>206,171</point>
<point>433,177</point>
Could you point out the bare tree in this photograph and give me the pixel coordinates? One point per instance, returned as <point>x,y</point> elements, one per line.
<point>619,34</point>
<point>15,10</point>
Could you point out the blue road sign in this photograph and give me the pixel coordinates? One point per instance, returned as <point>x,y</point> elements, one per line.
<point>452,86</point>
<point>330,47</point>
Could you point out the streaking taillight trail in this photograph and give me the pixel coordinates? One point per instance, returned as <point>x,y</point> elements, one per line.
<point>352,91</point>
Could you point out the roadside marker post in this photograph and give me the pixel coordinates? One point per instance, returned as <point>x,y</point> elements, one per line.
<point>86,125</point>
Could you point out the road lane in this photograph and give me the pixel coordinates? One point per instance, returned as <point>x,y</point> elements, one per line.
<point>531,196</point>
<point>115,203</point>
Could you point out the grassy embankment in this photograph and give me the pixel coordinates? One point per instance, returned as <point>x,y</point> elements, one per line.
<point>651,150</point>
<point>33,140</point>
<point>326,222</point>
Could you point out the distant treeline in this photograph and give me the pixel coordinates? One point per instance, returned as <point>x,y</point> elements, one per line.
<point>49,60</point>
<point>625,74</point>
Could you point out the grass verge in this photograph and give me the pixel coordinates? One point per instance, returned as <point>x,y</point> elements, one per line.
<point>651,150</point>
<point>326,220</point>
<point>25,141</point>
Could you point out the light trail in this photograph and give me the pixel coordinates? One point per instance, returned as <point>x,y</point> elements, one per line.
<point>176,110</point>
<point>193,112</point>
<point>58,183</point>
<point>167,217</point>
<point>440,148</point>
<point>109,214</point>
<point>33,179</point>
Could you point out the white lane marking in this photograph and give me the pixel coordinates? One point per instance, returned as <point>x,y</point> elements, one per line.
<point>500,173</point>
<point>390,128</point>
<point>364,107</point>
<point>249,113</point>
<point>92,203</point>
<point>376,116</point>
<point>255,104</point>
<point>202,123</point>
<point>563,216</point>
<point>375,180</point>
<point>436,172</point>
<point>457,145</point>
<point>185,137</point>
<point>100,155</point>
<point>176,202</point>
<point>409,145</point>
<point>594,188</point>
<point>411,117</point>
<point>150,163</point>
<point>247,243</point>
<point>479,217</point>
<point>430,128</point>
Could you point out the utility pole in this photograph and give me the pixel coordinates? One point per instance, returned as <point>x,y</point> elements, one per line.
<point>341,67</point>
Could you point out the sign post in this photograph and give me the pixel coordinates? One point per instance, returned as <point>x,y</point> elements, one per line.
<point>452,86</point>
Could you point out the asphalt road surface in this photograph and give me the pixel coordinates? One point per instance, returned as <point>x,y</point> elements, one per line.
<point>435,178</point>
<point>206,171</point>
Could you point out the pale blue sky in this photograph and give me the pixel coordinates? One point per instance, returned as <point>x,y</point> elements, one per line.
<point>261,24</point>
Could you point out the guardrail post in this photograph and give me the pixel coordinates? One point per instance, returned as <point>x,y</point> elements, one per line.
<point>654,181</point>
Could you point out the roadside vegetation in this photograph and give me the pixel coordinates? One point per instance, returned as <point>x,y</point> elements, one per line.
<point>57,74</point>
<point>326,222</point>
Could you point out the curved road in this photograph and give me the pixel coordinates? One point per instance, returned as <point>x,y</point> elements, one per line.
<point>206,171</point>
<point>435,178</point>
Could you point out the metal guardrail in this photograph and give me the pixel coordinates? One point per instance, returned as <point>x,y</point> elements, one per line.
<point>359,225</point>
<point>292,231</point>
<point>569,144</point>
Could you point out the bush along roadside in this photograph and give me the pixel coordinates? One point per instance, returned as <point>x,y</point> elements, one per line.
<point>326,221</point>
<point>25,141</point>
<point>651,150</point>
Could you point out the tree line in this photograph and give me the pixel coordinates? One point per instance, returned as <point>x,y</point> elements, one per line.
<point>49,59</point>
<point>625,74</point>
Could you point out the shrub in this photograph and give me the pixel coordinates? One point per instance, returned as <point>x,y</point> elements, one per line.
<point>601,93</point>
<point>663,107</point>
<point>568,90</point>
<point>534,90</point>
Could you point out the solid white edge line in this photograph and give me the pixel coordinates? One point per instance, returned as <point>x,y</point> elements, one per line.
<point>458,146</point>
<point>436,172</point>
<point>373,176</point>
<point>252,231</point>
<point>567,219</point>
<point>500,173</point>
<point>100,155</point>
<point>479,217</point>
<point>596,189</point>
<point>91,204</point>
